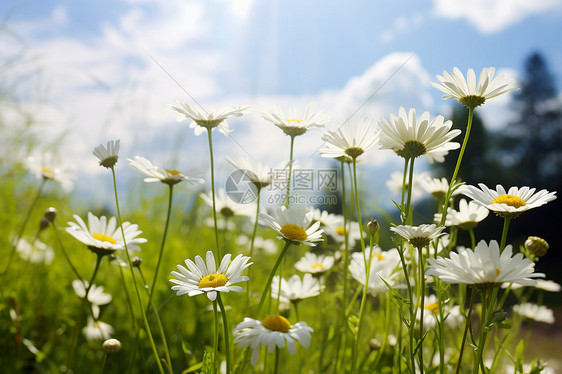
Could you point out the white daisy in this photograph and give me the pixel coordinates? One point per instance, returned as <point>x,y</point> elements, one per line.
<point>203,119</point>
<point>293,224</point>
<point>96,296</point>
<point>419,236</point>
<point>468,92</point>
<point>384,266</point>
<point>226,206</point>
<point>296,289</point>
<point>273,331</point>
<point>201,278</point>
<point>395,182</point>
<point>411,137</point>
<point>259,174</point>
<point>269,246</point>
<point>352,139</point>
<point>509,203</point>
<point>157,174</point>
<point>468,215</point>
<point>97,330</point>
<point>436,187</point>
<point>292,124</point>
<point>542,284</point>
<point>484,267</point>
<point>336,231</point>
<point>314,264</point>
<point>535,312</point>
<point>107,154</point>
<point>35,253</point>
<point>326,219</point>
<point>105,237</point>
<point>49,167</point>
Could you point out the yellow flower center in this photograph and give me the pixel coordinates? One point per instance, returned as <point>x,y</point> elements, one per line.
<point>378,256</point>
<point>498,271</point>
<point>511,200</point>
<point>340,231</point>
<point>227,212</point>
<point>433,308</point>
<point>104,238</point>
<point>97,326</point>
<point>294,120</point>
<point>213,280</point>
<point>48,171</point>
<point>173,172</point>
<point>316,266</point>
<point>294,232</point>
<point>276,323</point>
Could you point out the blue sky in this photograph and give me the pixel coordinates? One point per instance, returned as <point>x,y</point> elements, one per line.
<point>90,72</point>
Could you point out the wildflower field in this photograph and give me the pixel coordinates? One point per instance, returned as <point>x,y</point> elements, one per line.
<point>173,278</point>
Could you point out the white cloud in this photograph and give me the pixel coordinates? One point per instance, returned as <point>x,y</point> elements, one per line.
<point>490,16</point>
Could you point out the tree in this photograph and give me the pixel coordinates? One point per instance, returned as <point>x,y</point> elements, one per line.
<point>531,146</point>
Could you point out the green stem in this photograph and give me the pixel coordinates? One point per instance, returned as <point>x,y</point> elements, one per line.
<point>402,198</point>
<point>472,238</point>
<point>22,229</point>
<point>267,288</point>
<point>341,326</point>
<point>158,323</point>
<point>226,334</point>
<point>216,337</point>
<point>410,305</point>
<point>79,319</point>
<point>488,303</point>
<point>145,320</point>
<point>422,302</point>
<point>209,133</point>
<point>290,170</point>
<point>362,306</point>
<point>64,251</point>
<point>276,367</point>
<point>409,214</point>
<point>468,314</point>
<point>162,244</point>
<point>457,166</point>
<point>506,221</point>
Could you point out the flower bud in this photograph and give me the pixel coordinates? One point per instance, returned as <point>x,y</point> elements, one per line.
<point>373,226</point>
<point>537,246</point>
<point>50,214</point>
<point>43,224</point>
<point>137,261</point>
<point>111,346</point>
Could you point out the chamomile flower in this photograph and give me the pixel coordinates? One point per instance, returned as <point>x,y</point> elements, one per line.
<point>296,289</point>
<point>207,120</point>
<point>510,203</point>
<point>157,174</point>
<point>293,224</point>
<point>96,296</point>
<point>410,137</point>
<point>351,140</point>
<point>103,236</point>
<point>467,217</point>
<point>384,268</point>
<point>293,124</point>
<point>259,174</point>
<point>273,331</point>
<point>337,231</point>
<point>419,236</point>
<point>36,252</point>
<point>49,167</point>
<point>396,180</point>
<point>484,266</point>
<point>314,264</point>
<point>226,206</point>
<point>437,187</point>
<point>535,312</point>
<point>468,92</point>
<point>325,218</point>
<point>97,330</point>
<point>107,154</point>
<point>200,277</point>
